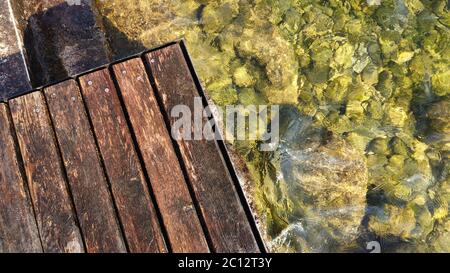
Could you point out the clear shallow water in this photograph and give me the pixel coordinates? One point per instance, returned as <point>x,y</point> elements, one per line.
<point>364,88</point>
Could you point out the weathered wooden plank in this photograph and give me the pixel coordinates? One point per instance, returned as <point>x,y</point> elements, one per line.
<point>223,212</point>
<point>54,212</point>
<point>122,164</point>
<point>18,230</point>
<point>91,195</point>
<point>166,177</point>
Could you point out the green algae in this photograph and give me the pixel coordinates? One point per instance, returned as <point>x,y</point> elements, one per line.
<point>373,73</point>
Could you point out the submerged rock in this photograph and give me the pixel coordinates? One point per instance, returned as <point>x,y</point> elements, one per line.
<point>314,187</point>
<point>328,181</point>
<point>394,221</point>
<point>278,59</point>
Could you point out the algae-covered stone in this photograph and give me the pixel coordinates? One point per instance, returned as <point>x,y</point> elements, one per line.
<point>321,53</point>
<point>385,84</point>
<point>379,146</point>
<point>370,74</point>
<point>354,109</point>
<point>278,58</point>
<point>338,88</point>
<point>402,192</point>
<point>360,92</point>
<point>375,109</point>
<point>393,221</point>
<point>395,115</point>
<point>219,14</point>
<point>343,55</point>
<point>420,66</point>
<point>358,141</point>
<point>224,97</point>
<point>415,6</point>
<point>404,57</point>
<point>249,96</point>
<point>318,23</point>
<point>242,77</point>
<point>389,45</point>
<point>398,146</point>
<point>441,83</point>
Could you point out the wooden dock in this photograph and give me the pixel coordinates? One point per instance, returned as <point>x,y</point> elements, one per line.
<point>88,165</point>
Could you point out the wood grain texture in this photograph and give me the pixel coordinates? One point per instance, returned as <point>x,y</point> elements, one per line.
<point>54,212</point>
<point>89,186</point>
<point>224,215</point>
<point>171,192</point>
<point>18,229</point>
<point>122,164</point>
